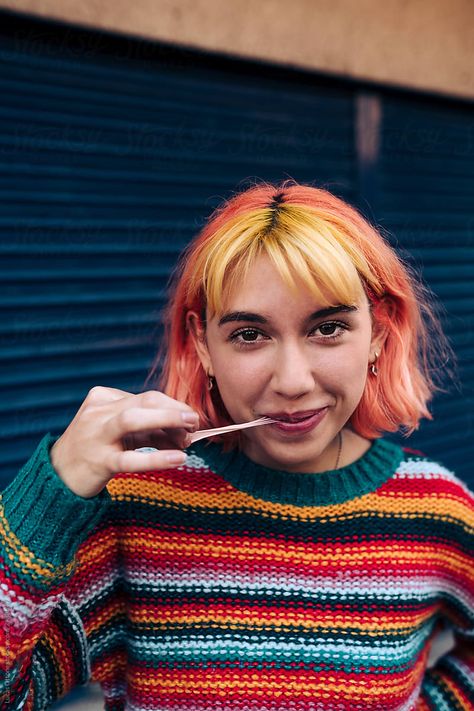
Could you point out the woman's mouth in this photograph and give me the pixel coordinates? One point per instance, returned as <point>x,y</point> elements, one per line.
<point>297,422</point>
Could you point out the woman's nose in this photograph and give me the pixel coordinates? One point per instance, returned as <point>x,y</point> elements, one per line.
<point>293,372</point>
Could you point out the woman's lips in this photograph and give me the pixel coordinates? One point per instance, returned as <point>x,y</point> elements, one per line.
<point>298,423</point>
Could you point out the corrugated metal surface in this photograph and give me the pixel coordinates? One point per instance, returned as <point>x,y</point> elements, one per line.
<point>112,154</point>
<point>425,176</point>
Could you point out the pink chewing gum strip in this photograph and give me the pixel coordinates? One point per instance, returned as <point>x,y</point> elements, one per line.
<point>201,434</point>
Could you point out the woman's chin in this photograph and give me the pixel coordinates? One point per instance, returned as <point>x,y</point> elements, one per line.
<point>295,456</point>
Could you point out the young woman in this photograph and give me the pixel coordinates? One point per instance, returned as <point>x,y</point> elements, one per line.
<point>304,564</point>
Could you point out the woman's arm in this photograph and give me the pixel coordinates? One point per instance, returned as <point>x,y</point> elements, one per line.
<point>57,545</point>
<point>46,544</point>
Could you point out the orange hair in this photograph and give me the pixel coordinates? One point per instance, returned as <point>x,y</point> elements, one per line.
<point>328,244</point>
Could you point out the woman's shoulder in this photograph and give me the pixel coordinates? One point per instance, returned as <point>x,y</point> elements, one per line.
<point>431,476</point>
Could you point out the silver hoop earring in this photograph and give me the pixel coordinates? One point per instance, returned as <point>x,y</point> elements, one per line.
<point>210,381</point>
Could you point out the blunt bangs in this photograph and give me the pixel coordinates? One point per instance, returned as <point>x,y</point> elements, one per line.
<point>303,249</point>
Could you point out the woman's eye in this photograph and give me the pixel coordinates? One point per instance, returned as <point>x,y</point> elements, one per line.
<point>327,329</point>
<point>246,335</point>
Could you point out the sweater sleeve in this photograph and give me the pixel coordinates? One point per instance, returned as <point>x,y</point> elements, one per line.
<point>449,684</point>
<point>44,649</point>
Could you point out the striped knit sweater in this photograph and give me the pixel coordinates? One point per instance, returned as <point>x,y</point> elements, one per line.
<point>221,585</point>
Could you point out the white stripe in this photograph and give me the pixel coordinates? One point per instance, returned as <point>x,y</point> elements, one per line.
<point>427,469</point>
<point>105,639</point>
<point>463,670</point>
<point>341,587</point>
<point>193,462</point>
<point>410,704</point>
<point>21,613</point>
<point>434,695</point>
<point>318,649</point>
<point>97,589</point>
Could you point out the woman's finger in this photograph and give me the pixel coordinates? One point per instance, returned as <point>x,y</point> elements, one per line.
<point>131,461</point>
<point>136,419</point>
<point>101,395</point>
<point>160,439</point>
<point>150,399</point>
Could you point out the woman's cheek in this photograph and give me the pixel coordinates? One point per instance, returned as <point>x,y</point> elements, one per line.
<point>241,379</point>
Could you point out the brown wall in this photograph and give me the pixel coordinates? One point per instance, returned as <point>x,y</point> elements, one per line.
<point>424,44</point>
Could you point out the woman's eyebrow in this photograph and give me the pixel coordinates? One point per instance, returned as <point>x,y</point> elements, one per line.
<point>251,317</point>
<point>242,316</point>
<point>330,310</point>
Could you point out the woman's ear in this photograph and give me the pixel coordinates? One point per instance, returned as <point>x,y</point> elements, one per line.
<point>381,327</point>
<point>197,333</point>
<point>377,342</point>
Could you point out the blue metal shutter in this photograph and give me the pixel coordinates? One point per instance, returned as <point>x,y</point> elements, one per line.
<point>112,154</point>
<point>425,199</point>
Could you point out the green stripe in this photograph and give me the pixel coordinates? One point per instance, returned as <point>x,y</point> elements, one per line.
<point>361,477</point>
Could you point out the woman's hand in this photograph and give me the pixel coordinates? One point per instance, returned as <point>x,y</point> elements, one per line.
<point>108,427</point>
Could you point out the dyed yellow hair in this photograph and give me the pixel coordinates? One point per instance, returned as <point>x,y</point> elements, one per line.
<point>333,269</point>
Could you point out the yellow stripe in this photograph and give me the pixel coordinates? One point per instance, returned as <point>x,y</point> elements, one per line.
<point>323,686</point>
<point>231,501</point>
<point>106,614</point>
<point>96,550</point>
<point>452,688</point>
<point>23,558</point>
<point>190,546</point>
<point>377,624</point>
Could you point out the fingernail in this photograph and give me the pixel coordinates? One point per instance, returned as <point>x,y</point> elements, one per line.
<point>189,418</point>
<point>178,458</point>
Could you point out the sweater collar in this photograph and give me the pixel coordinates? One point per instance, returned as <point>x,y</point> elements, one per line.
<point>326,488</point>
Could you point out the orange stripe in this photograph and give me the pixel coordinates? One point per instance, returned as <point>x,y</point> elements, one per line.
<point>379,625</point>
<point>186,545</point>
<point>103,616</point>
<point>234,502</point>
<point>17,552</point>
<point>462,700</point>
<point>309,686</point>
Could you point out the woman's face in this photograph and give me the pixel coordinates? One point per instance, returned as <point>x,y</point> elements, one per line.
<point>271,354</point>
